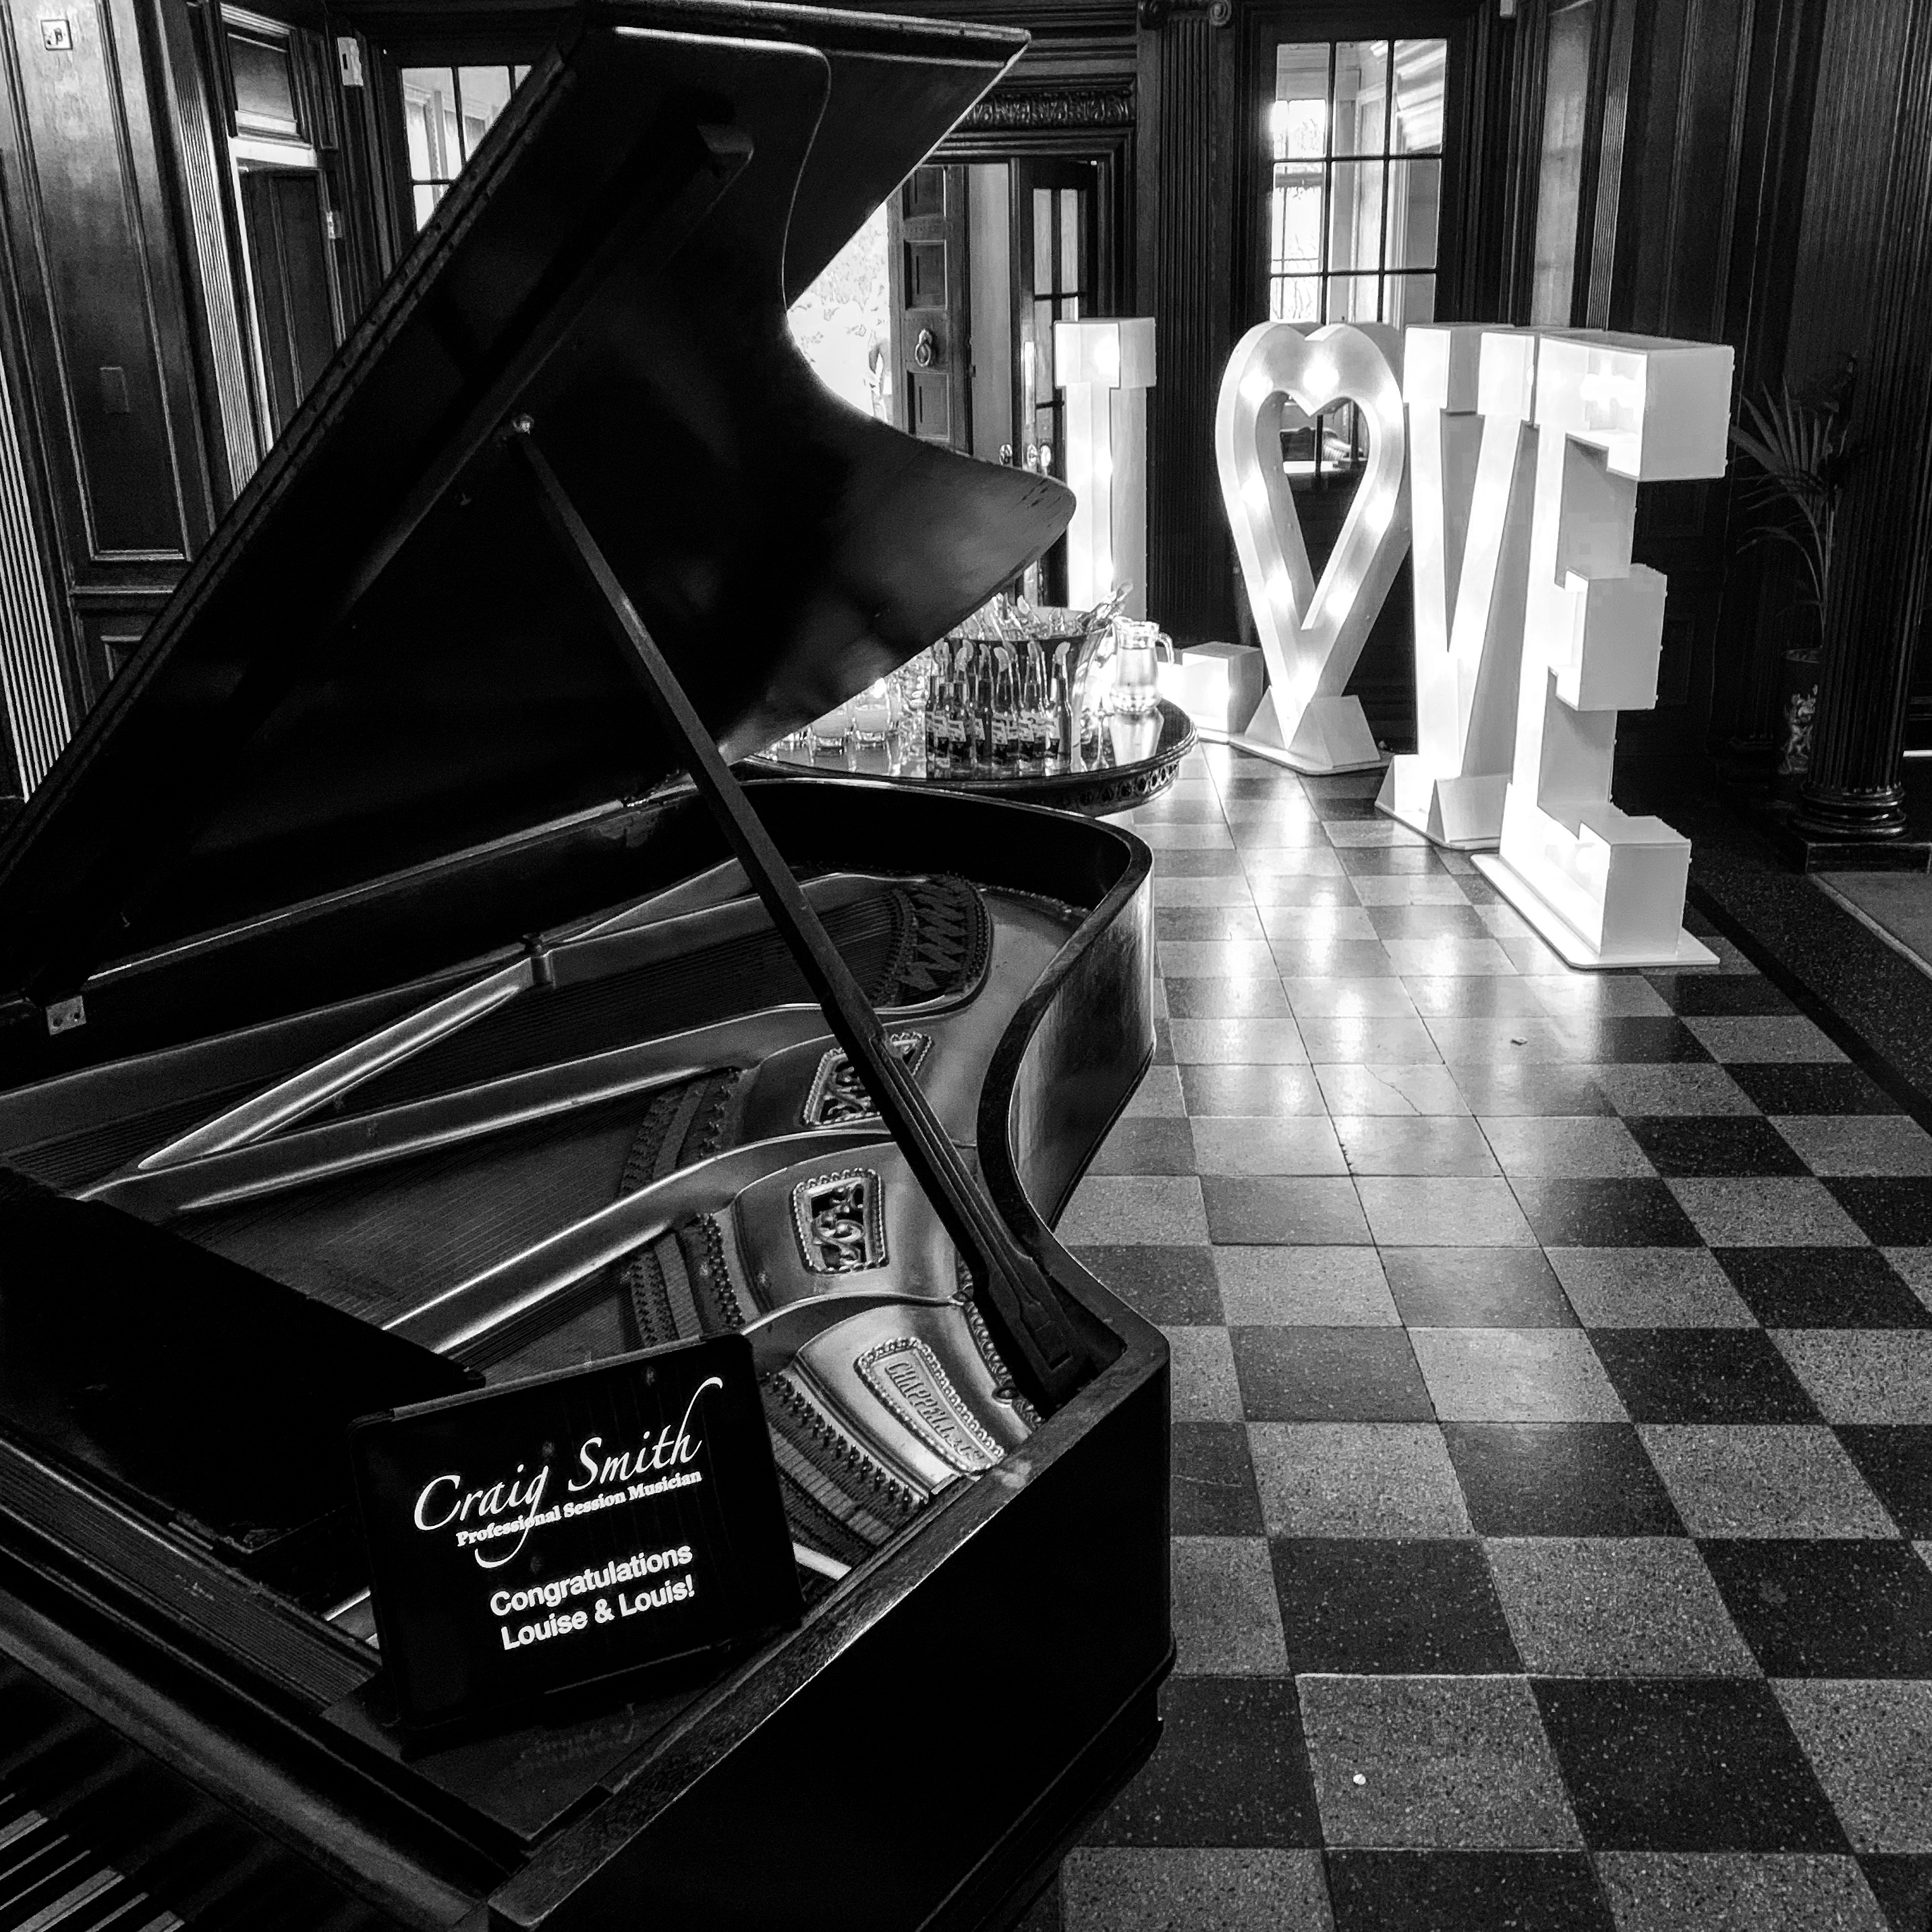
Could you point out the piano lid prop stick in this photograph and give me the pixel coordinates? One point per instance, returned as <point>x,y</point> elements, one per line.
<point>1050,1352</point>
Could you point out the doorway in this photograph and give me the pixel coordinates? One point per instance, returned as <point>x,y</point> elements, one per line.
<point>286,224</point>
<point>984,258</point>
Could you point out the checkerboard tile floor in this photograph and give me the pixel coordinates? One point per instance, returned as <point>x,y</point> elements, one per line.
<point>1552,1398</point>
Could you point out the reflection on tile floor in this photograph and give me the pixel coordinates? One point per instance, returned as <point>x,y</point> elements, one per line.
<point>1552,1397</point>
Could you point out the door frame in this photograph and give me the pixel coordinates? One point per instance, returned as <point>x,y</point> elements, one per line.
<point>1111,151</point>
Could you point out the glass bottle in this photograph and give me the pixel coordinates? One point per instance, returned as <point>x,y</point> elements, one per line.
<point>1036,713</point>
<point>1006,734</point>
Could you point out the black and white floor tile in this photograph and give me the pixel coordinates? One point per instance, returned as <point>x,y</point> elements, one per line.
<point>1552,1397</point>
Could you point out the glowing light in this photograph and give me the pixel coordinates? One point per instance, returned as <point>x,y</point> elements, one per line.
<point>1311,636</point>
<point>1457,380</point>
<point>1104,369</point>
<point>1603,888</point>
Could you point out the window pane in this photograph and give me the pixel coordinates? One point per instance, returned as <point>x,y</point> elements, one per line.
<point>1566,94</point>
<point>429,116</point>
<point>486,93</point>
<point>1408,299</point>
<point>1298,120</point>
<point>1355,216</point>
<point>1294,241</point>
<point>1352,299</point>
<point>1414,204</point>
<point>1295,298</point>
<point>1419,66</point>
<point>1361,96</point>
<point>1042,241</point>
<point>426,199</point>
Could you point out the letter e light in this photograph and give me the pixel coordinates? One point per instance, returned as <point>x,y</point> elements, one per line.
<point>1612,411</point>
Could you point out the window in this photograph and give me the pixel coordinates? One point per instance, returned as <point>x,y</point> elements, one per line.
<point>1053,286</point>
<point>446,112</point>
<point>1559,184</point>
<point>1355,131</point>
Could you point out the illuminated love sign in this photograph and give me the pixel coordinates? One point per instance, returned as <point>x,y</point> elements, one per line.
<point>1312,634</point>
<point>1472,454</point>
<point>1611,411</point>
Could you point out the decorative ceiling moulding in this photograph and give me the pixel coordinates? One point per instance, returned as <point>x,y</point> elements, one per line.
<point>1016,110</point>
<point>1155,14</point>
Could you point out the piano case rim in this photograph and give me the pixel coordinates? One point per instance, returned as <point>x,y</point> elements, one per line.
<point>730,1712</point>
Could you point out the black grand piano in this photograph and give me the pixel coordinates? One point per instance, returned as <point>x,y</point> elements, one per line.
<point>400,992</point>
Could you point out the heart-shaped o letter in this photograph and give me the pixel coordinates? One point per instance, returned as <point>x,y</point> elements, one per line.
<point>1312,634</point>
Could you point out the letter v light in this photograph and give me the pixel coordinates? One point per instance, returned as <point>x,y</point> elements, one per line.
<point>1471,458</point>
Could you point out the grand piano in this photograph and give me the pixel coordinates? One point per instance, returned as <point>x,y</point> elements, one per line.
<point>402,991</point>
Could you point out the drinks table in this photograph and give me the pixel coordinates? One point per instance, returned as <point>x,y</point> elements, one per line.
<point>1139,757</point>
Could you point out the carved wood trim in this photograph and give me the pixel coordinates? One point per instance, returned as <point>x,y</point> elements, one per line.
<point>1017,110</point>
<point>1153,15</point>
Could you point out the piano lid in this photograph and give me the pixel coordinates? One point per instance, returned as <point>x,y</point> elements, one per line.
<point>381,657</point>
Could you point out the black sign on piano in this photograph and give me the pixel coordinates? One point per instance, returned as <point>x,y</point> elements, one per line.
<point>548,1532</point>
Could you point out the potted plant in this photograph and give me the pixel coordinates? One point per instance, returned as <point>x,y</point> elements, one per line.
<point>1798,449</point>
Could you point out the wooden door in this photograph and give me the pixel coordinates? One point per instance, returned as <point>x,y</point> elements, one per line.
<point>931,355</point>
<point>295,302</point>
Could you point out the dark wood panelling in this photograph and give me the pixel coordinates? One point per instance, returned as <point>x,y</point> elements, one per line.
<point>373,237</point>
<point>1883,531</point>
<point>1700,106</point>
<point>106,336</point>
<point>33,707</point>
<point>1763,614</point>
<point>198,125</point>
<point>1184,254</point>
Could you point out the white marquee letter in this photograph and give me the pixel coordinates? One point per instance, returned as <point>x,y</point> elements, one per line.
<point>1612,411</point>
<point>1471,457</point>
<point>1311,633</point>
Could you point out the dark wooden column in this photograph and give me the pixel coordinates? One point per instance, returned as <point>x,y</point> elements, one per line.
<point>1854,790</point>
<point>1185,163</point>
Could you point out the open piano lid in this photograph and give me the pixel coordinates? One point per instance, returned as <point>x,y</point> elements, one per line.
<point>382,656</point>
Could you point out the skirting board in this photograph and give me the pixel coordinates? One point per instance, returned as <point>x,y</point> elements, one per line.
<point>1275,754</point>
<point>1564,938</point>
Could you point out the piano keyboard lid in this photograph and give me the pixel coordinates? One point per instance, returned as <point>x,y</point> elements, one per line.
<point>382,658</point>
